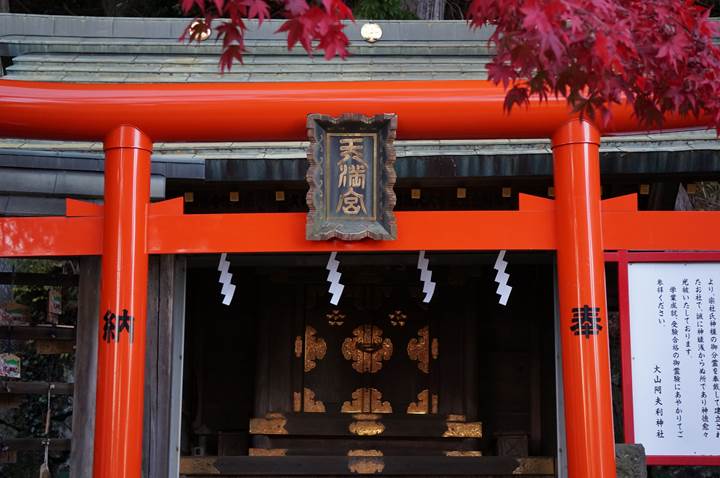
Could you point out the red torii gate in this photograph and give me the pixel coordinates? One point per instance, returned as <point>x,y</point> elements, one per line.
<point>129,117</point>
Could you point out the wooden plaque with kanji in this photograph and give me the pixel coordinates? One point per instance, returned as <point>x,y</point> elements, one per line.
<point>351,176</point>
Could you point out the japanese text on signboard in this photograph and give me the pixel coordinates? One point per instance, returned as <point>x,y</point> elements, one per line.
<point>675,357</point>
<point>351,166</point>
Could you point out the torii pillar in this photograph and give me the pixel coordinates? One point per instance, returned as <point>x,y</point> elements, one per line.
<point>582,303</point>
<point>123,306</point>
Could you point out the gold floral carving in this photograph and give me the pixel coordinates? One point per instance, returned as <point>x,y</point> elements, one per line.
<point>367,349</point>
<point>306,402</point>
<point>463,430</point>
<point>364,453</point>
<point>267,451</point>
<point>463,453</point>
<point>366,466</point>
<point>298,346</point>
<point>422,406</point>
<point>366,400</point>
<point>311,405</point>
<point>315,348</point>
<point>366,428</point>
<point>456,418</point>
<point>272,424</point>
<point>418,349</point>
<point>434,347</point>
<point>397,318</point>
<point>335,318</point>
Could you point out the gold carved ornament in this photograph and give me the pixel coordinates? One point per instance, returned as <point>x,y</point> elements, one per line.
<point>426,404</point>
<point>535,465</point>
<point>366,465</point>
<point>335,318</point>
<point>367,349</point>
<point>315,348</point>
<point>465,453</point>
<point>463,429</point>
<point>366,400</point>
<point>307,402</point>
<point>364,453</point>
<point>397,318</point>
<point>298,346</point>
<point>272,424</point>
<point>198,465</point>
<point>267,452</point>
<point>366,426</point>
<point>419,349</point>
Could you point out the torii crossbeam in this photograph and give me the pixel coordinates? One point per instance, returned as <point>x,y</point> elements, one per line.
<point>129,117</point>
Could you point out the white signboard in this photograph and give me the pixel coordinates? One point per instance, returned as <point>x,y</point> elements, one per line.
<point>674,345</point>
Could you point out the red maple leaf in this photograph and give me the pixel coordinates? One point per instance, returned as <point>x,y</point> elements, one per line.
<point>257,9</point>
<point>657,55</point>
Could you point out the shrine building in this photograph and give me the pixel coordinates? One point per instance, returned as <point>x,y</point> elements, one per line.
<point>305,267</point>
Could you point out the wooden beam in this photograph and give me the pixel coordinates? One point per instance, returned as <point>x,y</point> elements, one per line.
<point>530,228</point>
<point>388,465</point>
<point>30,332</point>
<point>50,236</point>
<point>32,278</point>
<point>427,109</point>
<point>34,444</point>
<point>428,230</point>
<point>35,388</point>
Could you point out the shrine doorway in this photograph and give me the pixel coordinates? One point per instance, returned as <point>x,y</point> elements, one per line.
<point>382,376</point>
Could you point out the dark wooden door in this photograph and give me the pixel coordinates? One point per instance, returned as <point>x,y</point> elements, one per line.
<point>377,353</point>
<point>382,369</point>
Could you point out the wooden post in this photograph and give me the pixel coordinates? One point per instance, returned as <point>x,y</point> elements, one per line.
<point>163,380</point>
<point>83,420</point>
<point>583,309</point>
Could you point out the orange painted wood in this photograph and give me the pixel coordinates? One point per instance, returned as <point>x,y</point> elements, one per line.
<point>76,208</point>
<point>447,230</point>
<point>432,109</point>
<point>123,293</point>
<point>50,236</point>
<point>587,389</point>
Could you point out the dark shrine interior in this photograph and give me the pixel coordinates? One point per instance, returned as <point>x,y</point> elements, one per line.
<point>281,371</point>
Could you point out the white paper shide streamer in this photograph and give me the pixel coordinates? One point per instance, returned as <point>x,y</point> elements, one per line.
<point>501,278</point>
<point>426,277</point>
<point>228,288</point>
<point>336,288</point>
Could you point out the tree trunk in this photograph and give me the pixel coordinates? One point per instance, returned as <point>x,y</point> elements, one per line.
<point>428,9</point>
<point>4,6</point>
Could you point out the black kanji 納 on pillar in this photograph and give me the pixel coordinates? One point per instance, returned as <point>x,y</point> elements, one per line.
<point>586,321</point>
<point>114,326</point>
